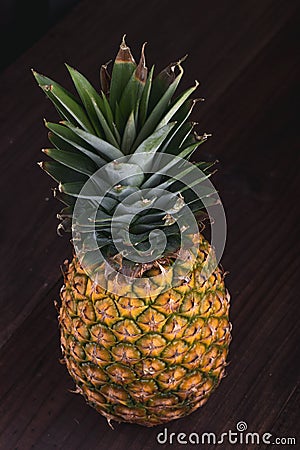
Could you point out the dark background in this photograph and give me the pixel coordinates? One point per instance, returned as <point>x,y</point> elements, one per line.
<point>23,22</point>
<point>245,54</point>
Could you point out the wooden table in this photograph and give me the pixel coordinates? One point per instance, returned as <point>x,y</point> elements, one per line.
<point>244,54</point>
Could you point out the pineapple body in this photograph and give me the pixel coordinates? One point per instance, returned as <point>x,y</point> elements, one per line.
<point>155,348</point>
<point>146,360</point>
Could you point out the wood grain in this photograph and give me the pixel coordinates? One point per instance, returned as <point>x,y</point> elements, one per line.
<point>245,55</point>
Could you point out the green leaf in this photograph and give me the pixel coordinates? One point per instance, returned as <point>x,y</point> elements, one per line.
<point>110,120</point>
<point>93,104</point>
<point>143,107</point>
<point>61,173</point>
<point>181,116</point>
<point>157,113</point>
<point>146,150</point>
<point>63,134</point>
<point>105,78</point>
<point>193,173</point>
<point>76,161</point>
<point>142,231</point>
<point>131,95</point>
<point>196,182</point>
<point>71,188</point>
<point>108,203</point>
<point>123,174</point>
<point>177,105</point>
<point>180,138</point>
<point>64,198</point>
<point>118,117</point>
<point>135,205</point>
<point>206,191</point>
<point>45,83</point>
<point>123,68</point>
<point>117,134</point>
<point>205,165</point>
<point>65,102</point>
<point>161,83</point>
<point>154,178</point>
<point>122,192</point>
<point>103,147</point>
<point>190,139</point>
<point>88,96</point>
<point>107,131</point>
<point>60,143</point>
<point>149,218</point>
<point>129,134</point>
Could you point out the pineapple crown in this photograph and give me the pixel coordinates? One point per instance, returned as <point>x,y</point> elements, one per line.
<point>136,130</point>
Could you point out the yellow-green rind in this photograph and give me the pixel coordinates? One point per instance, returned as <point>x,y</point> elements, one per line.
<point>146,360</point>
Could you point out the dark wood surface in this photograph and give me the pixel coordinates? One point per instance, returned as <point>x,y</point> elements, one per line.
<point>244,54</point>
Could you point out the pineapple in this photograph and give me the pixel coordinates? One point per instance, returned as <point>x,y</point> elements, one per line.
<point>144,337</point>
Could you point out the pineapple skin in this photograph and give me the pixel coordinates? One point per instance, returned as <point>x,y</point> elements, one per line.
<point>146,360</point>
